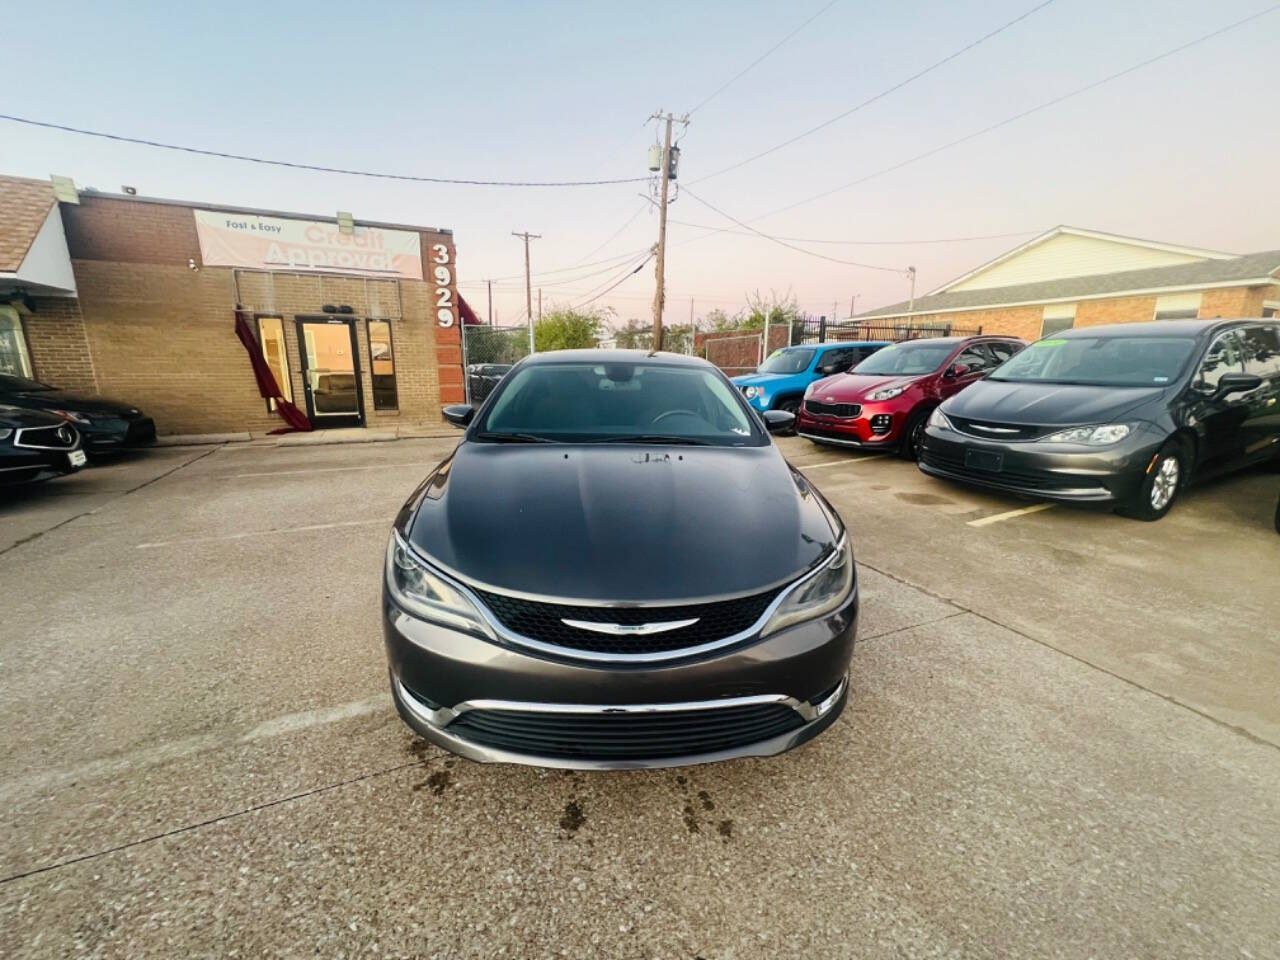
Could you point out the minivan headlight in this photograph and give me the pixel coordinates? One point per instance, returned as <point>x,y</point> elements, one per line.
<point>938,418</point>
<point>817,595</point>
<point>1091,436</point>
<point>427,596</point>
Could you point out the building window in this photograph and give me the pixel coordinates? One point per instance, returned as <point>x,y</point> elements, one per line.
<point>14,359</point>
<point>382,360</point>
<point>1270,309</point>
<point>1177,306</point>
<point>1058,317</point>
<point>271,337</point>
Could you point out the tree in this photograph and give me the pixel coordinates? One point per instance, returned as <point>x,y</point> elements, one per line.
<point>565,328</point>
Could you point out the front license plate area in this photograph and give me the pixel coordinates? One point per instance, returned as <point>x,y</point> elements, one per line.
<point>77,458</point>
<point>989,460</point>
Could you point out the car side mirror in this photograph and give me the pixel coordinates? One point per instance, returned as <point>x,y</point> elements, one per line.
<point>1230,383</point>
<point>956,370</point>
<point>778,421</point>
<point>459,414</point>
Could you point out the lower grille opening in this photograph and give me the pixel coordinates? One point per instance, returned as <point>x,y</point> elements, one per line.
<point>626,736</point>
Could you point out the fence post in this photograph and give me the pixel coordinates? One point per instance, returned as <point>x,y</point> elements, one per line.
<point>466,377</point>
<point>822,329</point>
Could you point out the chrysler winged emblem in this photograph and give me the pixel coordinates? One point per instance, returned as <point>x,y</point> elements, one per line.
<point>629,629</point>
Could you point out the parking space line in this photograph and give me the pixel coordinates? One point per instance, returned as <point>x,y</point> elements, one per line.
<point>832,463</point>
<point>1010,514</point>
<point>263,533</point>
<point>294,473</point>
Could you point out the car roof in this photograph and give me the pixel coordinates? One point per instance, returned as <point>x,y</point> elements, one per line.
<point>615,356</point>
<point>1160,328</point>
<point>848,343</point>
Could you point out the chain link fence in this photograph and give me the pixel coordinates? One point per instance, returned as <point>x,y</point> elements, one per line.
<point>487,354</point>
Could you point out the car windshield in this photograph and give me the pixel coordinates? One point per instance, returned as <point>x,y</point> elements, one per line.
<point>1135,361</point>
<point>786,361</point>
<point>923,356</point>
<point>12,384</point>
<point>618,402</point>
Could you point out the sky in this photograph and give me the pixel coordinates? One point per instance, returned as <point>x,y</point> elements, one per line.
<point>1183,151</point>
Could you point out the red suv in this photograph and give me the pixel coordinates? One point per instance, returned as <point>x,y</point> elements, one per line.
<point>886,399</point>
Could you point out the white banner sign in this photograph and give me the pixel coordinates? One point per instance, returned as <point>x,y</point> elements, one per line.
<point>272,243</point>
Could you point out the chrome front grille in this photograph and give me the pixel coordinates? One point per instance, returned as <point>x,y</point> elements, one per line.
<point>61,436</point>
<point>627,631</point>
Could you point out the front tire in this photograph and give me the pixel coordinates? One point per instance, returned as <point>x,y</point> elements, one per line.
<point>1161,486</point>
<point>913,435</point>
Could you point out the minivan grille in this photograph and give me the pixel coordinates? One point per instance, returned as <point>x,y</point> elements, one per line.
<point>543,622</point>
<point>626,736</point>
<point>845,411</point>
<point>991,430</point>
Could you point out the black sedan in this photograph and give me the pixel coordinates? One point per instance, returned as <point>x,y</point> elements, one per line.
<point>1124,415</point>
<point>616,568</point>
<point>36,446</point>
<point>104,425</point>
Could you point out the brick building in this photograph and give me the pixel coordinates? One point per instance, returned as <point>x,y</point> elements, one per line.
<point>1069,277</point>
<point>135,298</point>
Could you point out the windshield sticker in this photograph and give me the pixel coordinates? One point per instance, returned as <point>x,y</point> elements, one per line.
<point>1160,379</point>
<point>1048,343</point>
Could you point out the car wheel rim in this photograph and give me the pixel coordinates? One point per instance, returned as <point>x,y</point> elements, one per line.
<point>917,435</point>
<point>1166,483</point>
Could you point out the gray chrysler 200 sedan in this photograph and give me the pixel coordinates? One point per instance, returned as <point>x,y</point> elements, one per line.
<point>616,568</point>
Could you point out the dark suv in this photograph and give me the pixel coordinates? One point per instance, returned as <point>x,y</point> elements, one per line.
<point>1124,414</point>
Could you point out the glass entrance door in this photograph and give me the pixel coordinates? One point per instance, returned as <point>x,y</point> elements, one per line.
<point>330,372</point>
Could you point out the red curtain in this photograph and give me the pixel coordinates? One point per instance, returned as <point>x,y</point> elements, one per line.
<point>267,386</point>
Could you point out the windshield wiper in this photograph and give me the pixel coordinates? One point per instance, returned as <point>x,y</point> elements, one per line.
<point>655,438</point>
<point>514,438</point>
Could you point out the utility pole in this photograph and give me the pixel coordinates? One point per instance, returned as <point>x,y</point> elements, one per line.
<point>539,304</point>
<point>693,331</point>
<point>490,283</point>
<point>852,301</point>
<point>660,295</point>
<point>911,307</point>
<point>528,283</point>
<point>835,309</point>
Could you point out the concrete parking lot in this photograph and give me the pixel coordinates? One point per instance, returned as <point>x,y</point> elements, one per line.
<point>1063,740</point>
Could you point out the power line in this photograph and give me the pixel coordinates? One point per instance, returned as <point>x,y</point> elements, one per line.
<point>747,69</point>
<point>311,166</point>
<point>546,273</point>
<point>613,236</point>
<point>1008,120</point>
<point>779,240</point>
<point>879,96</point>
<point>863,243</point>
<point>630,273</point>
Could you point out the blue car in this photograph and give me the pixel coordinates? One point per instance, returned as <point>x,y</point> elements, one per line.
<point>780,381</point>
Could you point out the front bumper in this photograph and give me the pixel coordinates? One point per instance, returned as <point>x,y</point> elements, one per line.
<point>104,435</point>
<point>877,426</point>
<point>1057,471</point>
<point>499,704</point>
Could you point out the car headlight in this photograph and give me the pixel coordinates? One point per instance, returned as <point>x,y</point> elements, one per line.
<point>70,415</point>
<point>888,393</point>
<point>1092,436</point>
<point>426,595</point>
<point>818,594</point>
<point>938,418</point>
<point>6,433</point>
<point>752,392</point>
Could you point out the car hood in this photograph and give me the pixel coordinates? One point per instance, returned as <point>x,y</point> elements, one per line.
<point>14,417</point>
<point>620,522</point>
<point>1047,404</point>
<point>70,400</point>
<point>764,379</point>
<point>855,386</point>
